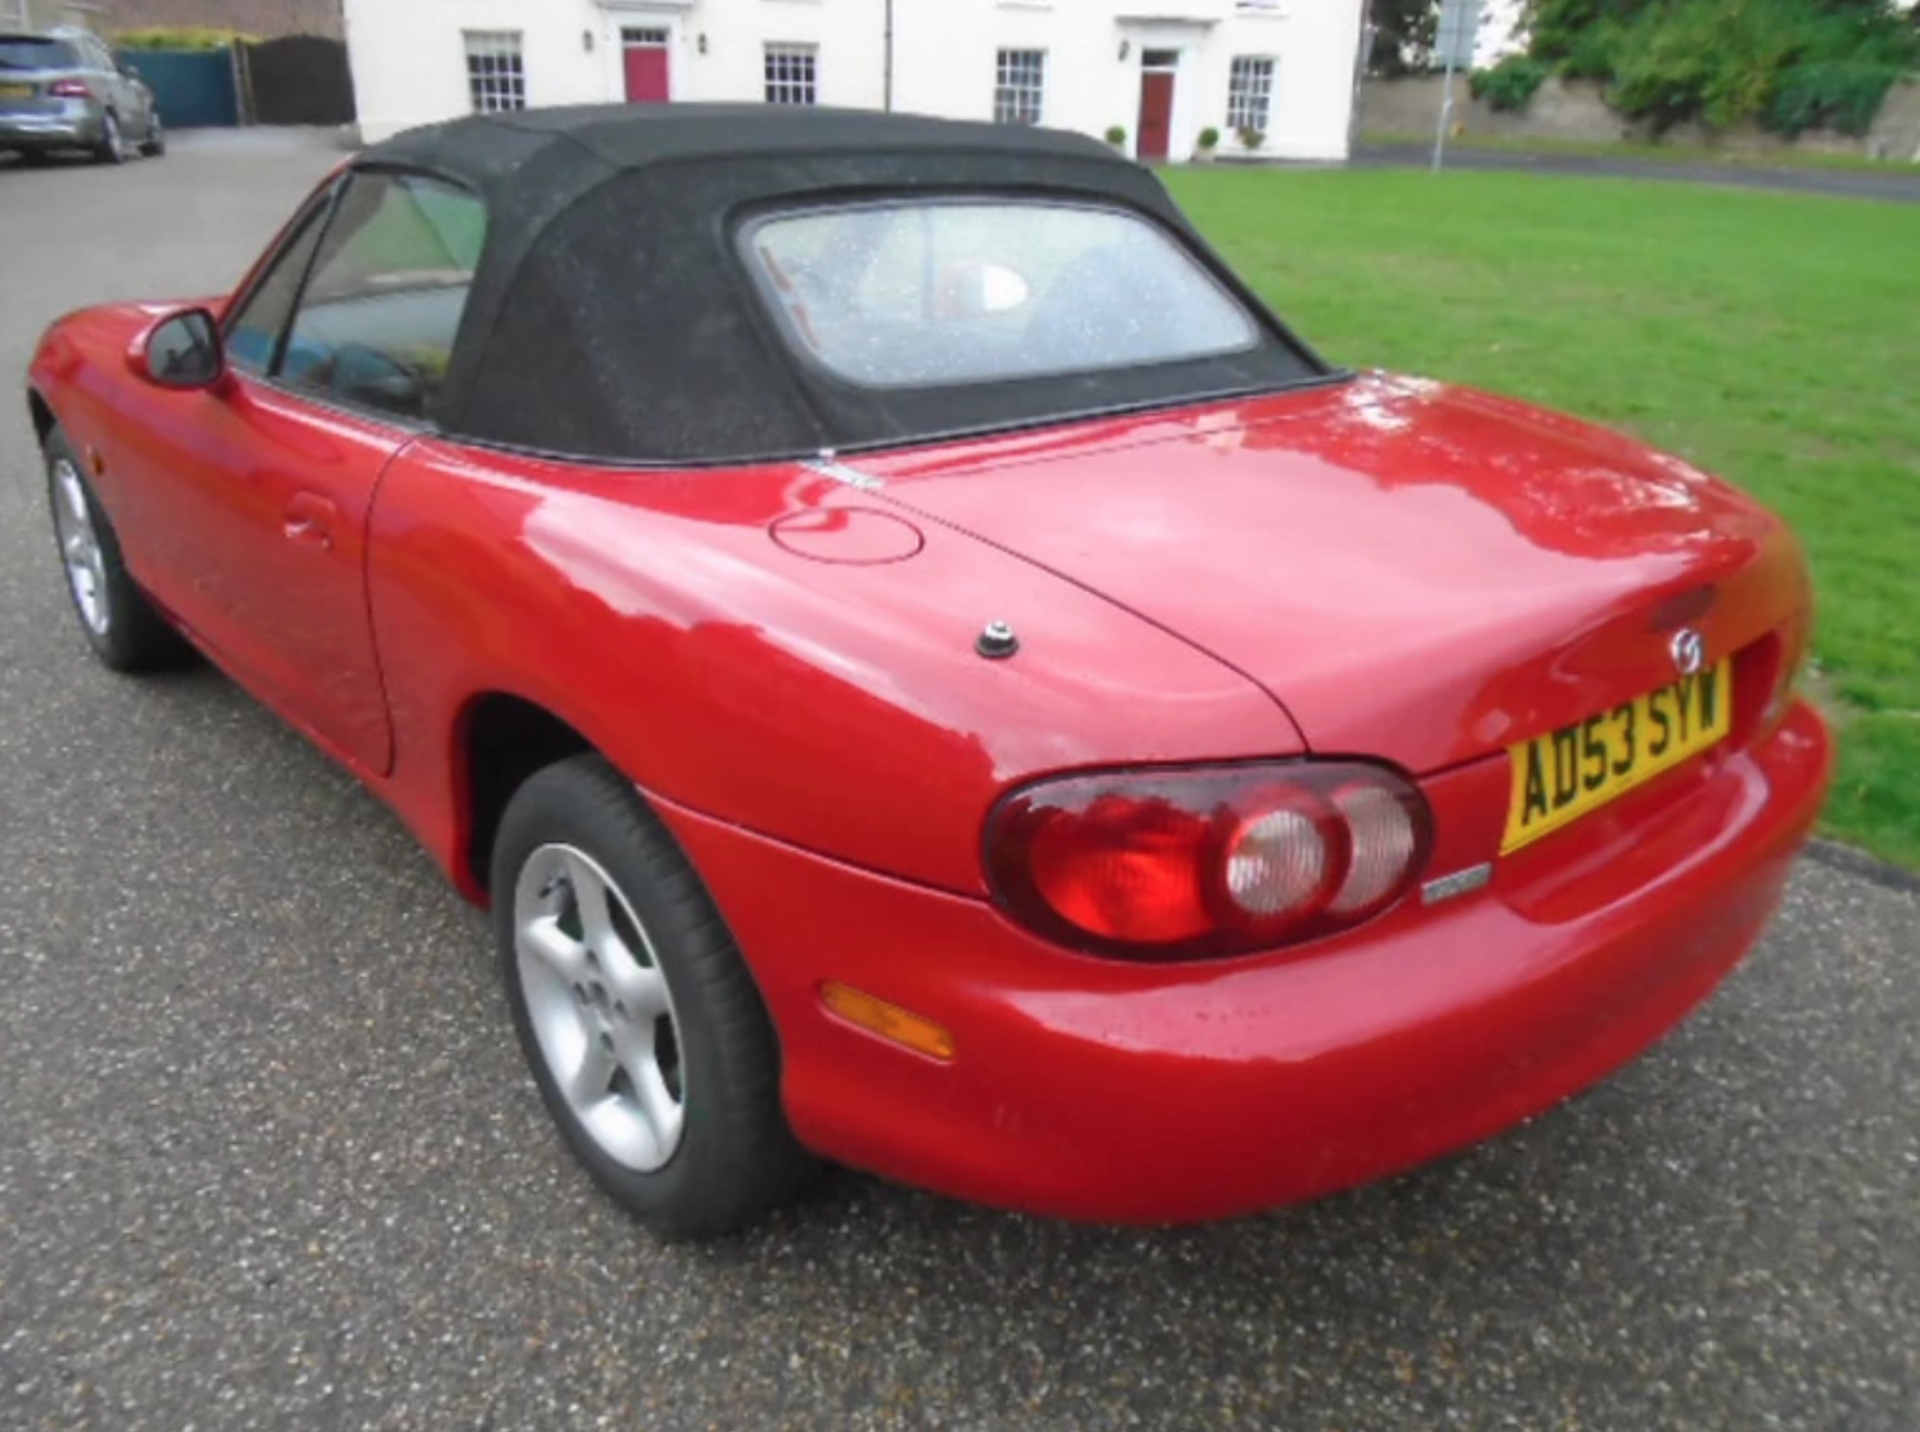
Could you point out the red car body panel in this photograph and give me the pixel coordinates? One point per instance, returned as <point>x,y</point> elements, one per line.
<point>784,663</point>
<point>243,512</point>
<point>1097,1089</point>
<point>1420,573</point>
<point>656,614</point>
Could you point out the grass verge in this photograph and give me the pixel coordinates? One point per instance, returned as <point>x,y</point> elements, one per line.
<point>1660,153</point>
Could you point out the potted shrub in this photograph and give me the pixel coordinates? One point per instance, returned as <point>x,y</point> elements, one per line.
<point>1208,142</point>
<point>1250,138</point>
<point>1117,137</point>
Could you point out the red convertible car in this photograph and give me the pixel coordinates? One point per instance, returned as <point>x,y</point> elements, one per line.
<point>928,672</point>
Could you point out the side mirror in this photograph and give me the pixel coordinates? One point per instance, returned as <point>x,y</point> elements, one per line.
<point>184,351</point>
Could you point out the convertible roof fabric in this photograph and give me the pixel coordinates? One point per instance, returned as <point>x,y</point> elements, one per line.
<point>611,317</point>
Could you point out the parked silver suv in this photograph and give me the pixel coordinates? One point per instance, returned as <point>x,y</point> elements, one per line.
<point>62,90</point>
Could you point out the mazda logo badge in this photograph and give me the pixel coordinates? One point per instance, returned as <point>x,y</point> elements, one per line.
<point>1689,650</point>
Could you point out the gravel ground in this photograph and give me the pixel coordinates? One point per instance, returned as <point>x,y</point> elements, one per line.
<point>295,1176</point>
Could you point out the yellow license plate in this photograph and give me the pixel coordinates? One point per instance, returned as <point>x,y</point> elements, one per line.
<point>1559,777</point>
<point>16,91</point>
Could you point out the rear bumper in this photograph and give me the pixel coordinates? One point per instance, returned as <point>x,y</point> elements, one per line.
<point>1092,1089</point>
<point>49,131</point>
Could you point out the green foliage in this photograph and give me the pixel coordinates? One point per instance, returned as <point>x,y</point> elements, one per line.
<point>1590,53</point>
<point>1209,137</point>
<point>177,37</point>
<point>1576,35</point>
<point>1700,59</point>
<point>1790,64</point>
<point>1403,36</point>
<point>1116,135</point>
<point>1250,138</point>
<point>1839,94</point>
<point>1510,85</point>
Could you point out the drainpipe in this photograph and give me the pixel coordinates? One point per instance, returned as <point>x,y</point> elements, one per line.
<point>887,74</point>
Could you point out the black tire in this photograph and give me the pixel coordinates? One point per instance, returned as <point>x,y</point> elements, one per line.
<point>735,1158</point>
<point>112,148</point>
<point>155,144</point>
<point>130,636</point>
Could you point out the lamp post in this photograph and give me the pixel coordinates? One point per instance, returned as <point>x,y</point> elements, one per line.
<point>1459,29</point>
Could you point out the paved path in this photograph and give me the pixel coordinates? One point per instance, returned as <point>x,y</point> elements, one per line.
<point>269,1159</point>
<point>1893,186</point>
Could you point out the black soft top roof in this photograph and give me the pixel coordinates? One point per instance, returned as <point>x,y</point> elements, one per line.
<point>590,141</point>
<point>610,317</point>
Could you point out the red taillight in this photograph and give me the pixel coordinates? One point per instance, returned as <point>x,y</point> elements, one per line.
<point>69,89</point>
<point>1187,864</point>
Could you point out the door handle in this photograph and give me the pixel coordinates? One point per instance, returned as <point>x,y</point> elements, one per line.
<point>309,521</point>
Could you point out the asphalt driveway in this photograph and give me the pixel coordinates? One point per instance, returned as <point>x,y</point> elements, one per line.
<point>268,1156</point>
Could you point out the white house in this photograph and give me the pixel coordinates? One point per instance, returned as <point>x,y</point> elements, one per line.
<point>1162,70</point>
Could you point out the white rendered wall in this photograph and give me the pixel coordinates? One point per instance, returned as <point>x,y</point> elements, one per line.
<point>409,60</point>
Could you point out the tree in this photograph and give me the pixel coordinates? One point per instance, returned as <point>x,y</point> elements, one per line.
<point>1403,34</point>
<point>1788,64</point>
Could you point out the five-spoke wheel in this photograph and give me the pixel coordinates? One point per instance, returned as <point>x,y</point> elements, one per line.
<point>600,1007</point>
<point>79,544</point>
<point>121,625</point>
<point>642,1024</point>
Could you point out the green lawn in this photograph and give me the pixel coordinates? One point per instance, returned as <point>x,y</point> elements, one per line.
<point>1662,153</point>
<point>1773,339</point>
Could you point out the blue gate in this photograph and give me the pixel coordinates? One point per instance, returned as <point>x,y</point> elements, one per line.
<point>194,88</point>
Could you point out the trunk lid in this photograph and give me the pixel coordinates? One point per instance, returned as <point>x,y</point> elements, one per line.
<point>1415,572</point>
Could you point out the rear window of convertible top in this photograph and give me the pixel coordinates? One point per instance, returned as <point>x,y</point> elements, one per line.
<point>943,292</point>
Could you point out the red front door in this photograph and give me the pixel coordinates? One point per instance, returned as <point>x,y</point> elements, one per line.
<point>1156,114</point>
<point>646,70</point>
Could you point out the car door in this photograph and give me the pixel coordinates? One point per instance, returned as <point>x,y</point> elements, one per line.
<point>254,496</point>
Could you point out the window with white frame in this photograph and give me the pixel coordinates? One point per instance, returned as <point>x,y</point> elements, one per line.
<point>792,74</point>
<point>1019,86</point>
<point>1250,93</point>
<point>496,73</point>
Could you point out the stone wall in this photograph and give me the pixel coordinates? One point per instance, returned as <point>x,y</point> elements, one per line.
<point>1560,109</point>
<point>1574,110</point>
<point>1896,129</point>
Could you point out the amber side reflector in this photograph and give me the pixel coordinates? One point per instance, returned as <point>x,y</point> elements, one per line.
<point>889,1021</point>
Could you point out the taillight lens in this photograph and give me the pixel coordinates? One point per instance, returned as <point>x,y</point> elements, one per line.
<point>1195,863</point>
<point>70,89</point>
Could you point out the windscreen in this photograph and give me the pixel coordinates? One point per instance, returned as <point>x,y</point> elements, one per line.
<point>955,292</point>
<point>20,52</point>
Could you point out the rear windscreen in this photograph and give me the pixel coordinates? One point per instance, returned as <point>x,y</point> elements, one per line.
<point>919,293</point>
<point>17,53</point>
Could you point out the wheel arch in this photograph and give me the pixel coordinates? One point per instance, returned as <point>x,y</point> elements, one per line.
<point>500,739</point>
<point>41,412</point>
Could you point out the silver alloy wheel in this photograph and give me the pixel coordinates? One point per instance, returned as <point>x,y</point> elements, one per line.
<point>80,547</point>
<point>115,146</point>
<point>600,1007</point>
